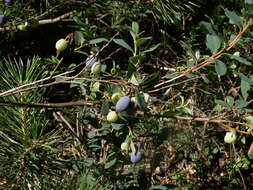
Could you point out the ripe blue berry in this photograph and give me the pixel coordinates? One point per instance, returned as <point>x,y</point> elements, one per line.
<point>90,61</point>
<point>7,2</point>
<point>136,156</point>
<point>2,19</point>
<point>123,103</point>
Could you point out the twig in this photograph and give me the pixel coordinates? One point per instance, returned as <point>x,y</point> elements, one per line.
<point>214,56</point>
<point>218,121</point>
<point>47,105</point>
<point>113,81</point>
<point>174,84</point>
<point>33,83</point>
<point>42,22</point>
<point>60,116</point>
<point>57,19</point>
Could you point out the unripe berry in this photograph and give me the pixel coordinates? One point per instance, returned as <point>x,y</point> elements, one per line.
<point>230,136</point>
<point>124,146</point>
<point>116,96</point>
<point>112,117</point>
<point>22,27</point>
<point>113,71</point>
<point>96,68</point>
<point>61,44</point>
<point>123,103</point>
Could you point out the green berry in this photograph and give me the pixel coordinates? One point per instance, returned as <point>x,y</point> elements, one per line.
<point>112,117</point>
<point>230,136</point>
<point>96,68</point>
<point>124,146</point>
<point>116,96</point>
<point>113,71</point>
<point>22,27</point>
<point>95,87</point>
<point>61,44</point>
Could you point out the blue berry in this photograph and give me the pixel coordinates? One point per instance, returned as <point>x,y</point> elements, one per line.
<point>90,61</point>
<point>123,103</point>
<point>2,19</point>
<point>136,156</point>
<point>7,2</point>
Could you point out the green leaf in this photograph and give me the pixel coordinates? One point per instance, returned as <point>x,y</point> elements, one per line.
<point>220,67</point>
<point>111,163</point>
<point>234,19</point>
<point>150,80</point>
<point>105,108</point>
<point>134,36</point>
<point>117,126</point>
<point>131,69</point>
<point>213,43</point>
<point>245,87</point>
<point>189,50</point>
<point>134,80</point>
<point>79,22</point>
<point>141,41</point>
<point>240,59</point>
<point>209,27</point>
<point>79,39</point>
<point>152,48</point>
<point>98,40</point>
<point>230,101</point>
<point>135,28</point>
<point>245,78</point>
<point>141,101</point>
<point>123,44</point>
<point>241,103</point>
<point>75,83</point>
<point>222,103</point>
<point>160,187</point>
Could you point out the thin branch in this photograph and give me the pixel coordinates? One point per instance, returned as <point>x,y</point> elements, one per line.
<point>42,22</point>
<point>60,116</point>
<point>47,105</point>
<point>209,60</point>
<point>217,121</point>
<point>33,83</point>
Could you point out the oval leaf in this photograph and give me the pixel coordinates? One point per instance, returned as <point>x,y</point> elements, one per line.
<point>234,19</point>
<point>213,42</point>
<point>123,44</point>
<point>220,67</point>
<point>98,40</point>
